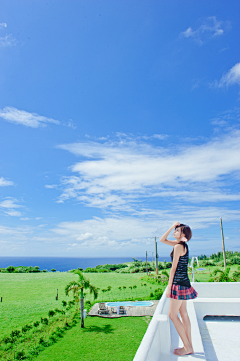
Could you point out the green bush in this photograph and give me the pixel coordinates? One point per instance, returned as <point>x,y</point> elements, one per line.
<point>10,269</point>
<point>20,355</point>
<point>236,260</point>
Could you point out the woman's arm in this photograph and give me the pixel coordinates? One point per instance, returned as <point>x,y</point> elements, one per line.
<point>178,250</point>
<point>164,239</point>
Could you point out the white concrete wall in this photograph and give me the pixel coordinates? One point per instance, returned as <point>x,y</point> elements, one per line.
<point>157,335</point>
<point>217,289</point>
<point>213,298</point>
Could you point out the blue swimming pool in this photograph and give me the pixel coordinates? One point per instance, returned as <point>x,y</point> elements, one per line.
<point>130,303</point>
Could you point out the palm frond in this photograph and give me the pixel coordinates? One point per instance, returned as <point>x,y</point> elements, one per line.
<point>73,286</point>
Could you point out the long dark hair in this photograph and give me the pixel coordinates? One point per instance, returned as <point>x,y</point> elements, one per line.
<point>186,230</point>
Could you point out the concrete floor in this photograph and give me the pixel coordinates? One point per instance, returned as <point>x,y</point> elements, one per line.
<point>136,311</point>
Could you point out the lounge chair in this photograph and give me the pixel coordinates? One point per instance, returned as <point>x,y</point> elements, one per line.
<point>122,310</point>
<point>102,308</point>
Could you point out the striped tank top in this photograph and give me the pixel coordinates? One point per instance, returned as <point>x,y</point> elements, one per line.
<point>181,275</point>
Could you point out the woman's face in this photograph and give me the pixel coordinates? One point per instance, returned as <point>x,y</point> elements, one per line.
<point>177,233</point>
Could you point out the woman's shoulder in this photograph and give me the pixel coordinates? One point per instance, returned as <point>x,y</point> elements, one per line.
<point>179,247</point>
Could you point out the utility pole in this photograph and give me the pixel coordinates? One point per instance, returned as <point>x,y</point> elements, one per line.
<point>146,264</point>
<point>223,245</point>
<point>156,254</point>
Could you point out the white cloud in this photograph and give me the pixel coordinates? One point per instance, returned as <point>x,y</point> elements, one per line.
<point>32,120</point>
<point>84,236</point>
<point>229,118</point>
<point>24,219</point>
<point>9,206</point>
<point>231,77</point>
<point>211,28</point>
<point>3,25</point>
<point>7,40</point>
<point>124,232</point>
<point>5,182</point>
<point>18,232</point>
<point>13,213</point>
<point>9,203</point>
<point>117,174</point>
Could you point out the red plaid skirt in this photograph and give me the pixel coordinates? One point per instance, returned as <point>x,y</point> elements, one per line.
<point>182,293</point>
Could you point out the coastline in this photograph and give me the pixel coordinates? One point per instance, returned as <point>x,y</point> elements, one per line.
<point>64,264</point>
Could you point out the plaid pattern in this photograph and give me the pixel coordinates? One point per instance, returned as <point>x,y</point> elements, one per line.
<point>182,293</point>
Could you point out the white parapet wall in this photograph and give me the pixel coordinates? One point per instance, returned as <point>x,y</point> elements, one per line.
<point>157,336</point>
<point>213,299</point>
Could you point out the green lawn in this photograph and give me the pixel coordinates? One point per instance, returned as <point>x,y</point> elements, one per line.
<point>100,340</point>
<point>29,296</point>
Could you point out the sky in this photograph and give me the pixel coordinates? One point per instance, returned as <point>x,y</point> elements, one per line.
<point>118,118</point>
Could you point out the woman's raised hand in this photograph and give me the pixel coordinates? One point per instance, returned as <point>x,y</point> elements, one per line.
<point>175,224</point>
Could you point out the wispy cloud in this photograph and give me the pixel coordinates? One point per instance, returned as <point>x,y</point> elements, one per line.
<point>32,120</point>
<point>3,25</point>
<point>15,232</point>
<point>13,213</point>
<point>4,182</point>
<point>228,118</point>
<point>119,174</point>
<point>211,28</point>
<point>9,203</point>
<point>130,232</point>
<point>231,77</point>
<point>9,206</point>
<point>7,41</point>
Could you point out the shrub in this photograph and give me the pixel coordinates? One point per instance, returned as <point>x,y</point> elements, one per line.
<point>236,260</point>
<point>10,269</point>
<point>158,293</point>
<point>53,270</point>
<point>20,355</point>
<point>51,313</point>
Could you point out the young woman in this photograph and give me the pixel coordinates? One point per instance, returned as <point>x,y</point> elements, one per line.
<point>179,288</point>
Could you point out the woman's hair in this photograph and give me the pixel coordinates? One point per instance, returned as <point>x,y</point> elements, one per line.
<point>186,230</point>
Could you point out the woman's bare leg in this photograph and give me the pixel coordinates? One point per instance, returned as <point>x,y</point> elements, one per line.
<point>185,321</point>
<point>173,314</point>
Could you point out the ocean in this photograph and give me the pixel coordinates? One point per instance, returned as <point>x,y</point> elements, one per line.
<point>64,264</point>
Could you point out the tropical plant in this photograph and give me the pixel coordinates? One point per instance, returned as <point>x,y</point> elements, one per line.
<point>77,289</point>
<point>109,288</point>
<point>236,276</point>
<point>135,288</point>
<point>222,276</point>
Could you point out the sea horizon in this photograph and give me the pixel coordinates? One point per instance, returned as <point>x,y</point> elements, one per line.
<point>64,264</point>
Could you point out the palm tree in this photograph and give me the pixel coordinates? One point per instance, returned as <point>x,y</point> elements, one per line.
<point>124,288</point>
<point>223,275</point>
<point>164,277</point>
<point>236,276</point>
<point>131,289</point>
<point>78,287</point>
<point>109,288</point>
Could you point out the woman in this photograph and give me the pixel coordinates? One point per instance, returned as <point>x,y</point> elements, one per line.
<point>179,288</point>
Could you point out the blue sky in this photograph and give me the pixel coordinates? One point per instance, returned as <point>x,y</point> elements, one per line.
<point>118,118</point>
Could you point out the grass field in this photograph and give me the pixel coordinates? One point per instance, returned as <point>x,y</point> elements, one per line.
<point>29,296</point>
<point>100,340</point>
